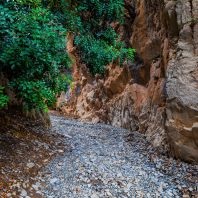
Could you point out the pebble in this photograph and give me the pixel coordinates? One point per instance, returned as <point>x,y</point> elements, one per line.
<point>94,196</point>
<point>190,189</point>
<point>108,193</point>
<point>30,165</point>
<point>23,193</point>
<point>60,151</point>
<point>54,180</point>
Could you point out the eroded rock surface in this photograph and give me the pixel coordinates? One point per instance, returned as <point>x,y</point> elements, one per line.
<point>157,94</point>
<point>182,85</point>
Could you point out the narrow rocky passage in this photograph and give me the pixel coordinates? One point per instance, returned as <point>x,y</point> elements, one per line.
<point>111,162</point>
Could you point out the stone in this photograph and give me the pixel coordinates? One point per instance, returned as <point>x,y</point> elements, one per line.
<point>53,180</point>
<point>108,193</point>
<point>94,195</point>
<point>23,193</point>
<point>61,151</point>
<point>30,165</point>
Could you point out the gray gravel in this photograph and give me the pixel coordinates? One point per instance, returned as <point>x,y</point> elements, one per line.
<point>105,161</point>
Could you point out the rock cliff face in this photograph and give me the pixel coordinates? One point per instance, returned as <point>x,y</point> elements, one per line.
<point>158,93</point>
<point>182,84</point>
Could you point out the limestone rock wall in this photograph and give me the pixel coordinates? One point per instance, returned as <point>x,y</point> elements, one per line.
<point>158,93</point>
<point>182,85</point>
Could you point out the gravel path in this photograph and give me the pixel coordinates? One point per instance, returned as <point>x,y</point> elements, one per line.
<point>105,161</point>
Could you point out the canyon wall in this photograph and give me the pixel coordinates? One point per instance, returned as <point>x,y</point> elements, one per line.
<point>157,94</point>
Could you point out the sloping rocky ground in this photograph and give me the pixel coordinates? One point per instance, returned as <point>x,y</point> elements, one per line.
<point>25,148</point>
<point>75,159</point>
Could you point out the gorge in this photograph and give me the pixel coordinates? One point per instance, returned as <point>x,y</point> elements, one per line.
<point>115,114</point>
<point>157,94</point>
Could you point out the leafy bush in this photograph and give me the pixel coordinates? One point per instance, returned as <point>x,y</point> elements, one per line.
<point>91,22</point>
<point>32,52</point>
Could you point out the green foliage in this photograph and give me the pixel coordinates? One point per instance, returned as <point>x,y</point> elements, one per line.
<point>97,53</point>
<point>91,22</point>
<point>32,52</point>
<point>3,98</point>
<point>35,94</point>
<point>33,46</point>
